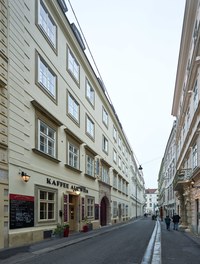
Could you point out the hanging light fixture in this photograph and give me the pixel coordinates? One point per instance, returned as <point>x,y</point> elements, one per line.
<point>25,176</point>
<point>140,168</point>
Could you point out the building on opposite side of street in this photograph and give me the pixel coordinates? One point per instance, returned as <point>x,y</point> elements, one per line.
<point>185,173</point>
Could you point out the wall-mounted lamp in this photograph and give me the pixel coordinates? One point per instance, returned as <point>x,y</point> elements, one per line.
<point>140,168</point>
<point>25,176</point>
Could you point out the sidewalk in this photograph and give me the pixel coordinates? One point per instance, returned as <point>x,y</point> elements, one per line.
<point>51,244</point>
<point>180,247</point>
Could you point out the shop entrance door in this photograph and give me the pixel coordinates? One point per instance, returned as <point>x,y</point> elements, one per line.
<point>103,212</point>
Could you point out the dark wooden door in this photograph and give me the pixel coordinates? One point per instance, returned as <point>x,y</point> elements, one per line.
<point>103,212</point>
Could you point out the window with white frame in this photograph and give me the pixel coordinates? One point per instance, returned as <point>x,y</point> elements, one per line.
<point>123,186</point>
<point>115,156</point>
<point>90,207</point>
<point>73,155</point>
<point>126,171</point>
<point>114,208</point>
<point>123,147</point>
<point>46,139</point>
<point>119,162</point>
<point>194,156</point>
<point>115,134</point>
<point>105,175</point>
<point>46,23</point>
<point>195,96</point>
<point>105,144</point>
<point>89,126</point>
<point>115,180</point>
<point>119,142</point>
<point>46,77</point>
<point>73,66</point>
<point>73,108</point>
<point>89,92</point>
<point>126,188</point>
<point>90,165</point>
<point>46,205</point>
<point>119,183</point>
<point>105,117</point>
<point>188,118</point>
<point>123,166</point>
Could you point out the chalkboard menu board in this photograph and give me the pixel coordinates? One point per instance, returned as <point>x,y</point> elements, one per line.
<point>21,211</point>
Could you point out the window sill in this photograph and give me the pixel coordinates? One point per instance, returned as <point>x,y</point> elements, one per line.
<point>90,176</point>
<point>105,183</point>
<point>44,155</point>
<point>72,168</point>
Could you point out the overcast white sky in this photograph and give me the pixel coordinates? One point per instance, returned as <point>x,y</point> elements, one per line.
<point>135,45</point>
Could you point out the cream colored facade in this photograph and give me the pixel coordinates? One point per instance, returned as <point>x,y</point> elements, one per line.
<point>58,126</point>
<point>167,200</point>
<point>186,109</point>
<point>151,201</point>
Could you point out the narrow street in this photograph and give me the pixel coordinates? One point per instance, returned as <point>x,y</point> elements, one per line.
<point>123,244</point>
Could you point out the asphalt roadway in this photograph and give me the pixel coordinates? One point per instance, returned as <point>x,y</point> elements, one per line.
<point>177,247</point>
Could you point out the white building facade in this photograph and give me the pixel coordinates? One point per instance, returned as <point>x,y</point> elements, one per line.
<point>186,110</point>
<point>167,201</point>
<point>151,201</point>
<point>59,127</point>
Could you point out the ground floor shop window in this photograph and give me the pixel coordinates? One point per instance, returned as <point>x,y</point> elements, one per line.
<point>47,200</point>
<point>90,207</point>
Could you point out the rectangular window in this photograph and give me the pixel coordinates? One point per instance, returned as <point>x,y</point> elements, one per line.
<point>119,162</point>
<point>119,142</point>
<point>114,209</point>
<point>47,139</point>
<point>46,77</point>
<point>119,184</point>
<point>123,166</point>
<point>90,207</point>
<point>115,156</point>
<point>90,165</point>
<point>195,96</point>
<point>105,175</point>
<point>89,93</point>
<point>73,156</point>
<point>115,180</point>
<point>73,66</point>
<point>105,117</point>
<point>73,108</point>
<point>47,24</point>
<point>89,127</point>
<point>194,156</point>
<point>105,144</point>
<point>47,202</point>
<point>115,134</point>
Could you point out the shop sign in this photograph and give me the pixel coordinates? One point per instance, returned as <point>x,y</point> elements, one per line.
<point>66,185</point>
<point>79,188</point>
<point>57,183</point>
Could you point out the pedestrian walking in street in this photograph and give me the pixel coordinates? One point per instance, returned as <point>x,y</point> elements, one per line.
<point>175,220</point>
<point>167,221</point>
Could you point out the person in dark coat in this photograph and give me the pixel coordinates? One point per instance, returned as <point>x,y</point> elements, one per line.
<point>176,219</point>
<point>167,222</point>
